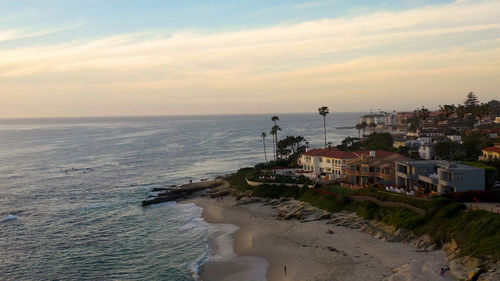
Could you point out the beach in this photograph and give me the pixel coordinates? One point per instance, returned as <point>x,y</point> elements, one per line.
<point>263,245</point>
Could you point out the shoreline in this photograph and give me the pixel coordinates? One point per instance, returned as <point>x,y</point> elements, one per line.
<point>263,245</point>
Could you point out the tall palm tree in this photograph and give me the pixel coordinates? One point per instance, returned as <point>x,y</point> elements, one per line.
<point>372,127</point>
<point>263,135</point>
<point>323,111</point>
<point>359,127</point>
<point>275,119</point>
<point>423,113</point>
<point>363,126</point>
<point>274,132</point>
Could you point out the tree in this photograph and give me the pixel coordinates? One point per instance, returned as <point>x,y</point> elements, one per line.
<point>423,113</point>
<point>376,141</point>
<point>480,111</point>
<point>291,148</point>
<point>445,149</point>
<point>263,135</point>
<point>323,111</point>
<point>350,144</point>
<point>372,127</point>
<point>447,110</point>
<point>471,101</point>
<point>474,141</point>
<point>363,127</point>
<point>359,127</point>
<point>460,111</point>
<point>275,119</point>
<point>274,132</point>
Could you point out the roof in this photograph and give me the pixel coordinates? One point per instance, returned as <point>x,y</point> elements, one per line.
<point>382,158</point>
<point>331,153</point>
<point>495,148</point>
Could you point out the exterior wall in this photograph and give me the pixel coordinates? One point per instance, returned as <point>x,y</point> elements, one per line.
<point>460,180</point>
<point>489,155</point>
<point>443,177</point>
<point>332,167</point>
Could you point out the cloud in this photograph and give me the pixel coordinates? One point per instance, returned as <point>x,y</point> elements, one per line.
<point>13,34</point>
<point>380,53</point>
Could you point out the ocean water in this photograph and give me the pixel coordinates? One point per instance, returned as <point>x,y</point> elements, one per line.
<point>71,190</point>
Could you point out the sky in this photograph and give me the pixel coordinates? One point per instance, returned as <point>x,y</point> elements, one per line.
<point>149,57</point>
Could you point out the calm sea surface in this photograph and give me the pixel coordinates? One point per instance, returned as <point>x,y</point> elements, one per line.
<point>70,190</point>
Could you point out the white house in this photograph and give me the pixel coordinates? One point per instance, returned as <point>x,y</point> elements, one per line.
<point>327,162</point>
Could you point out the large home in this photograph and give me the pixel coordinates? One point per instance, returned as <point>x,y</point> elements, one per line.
<point>327,162</point>
<point>433,176</point>
<point>383,119</point>
<point>374,167</point>
<point>491,153</point>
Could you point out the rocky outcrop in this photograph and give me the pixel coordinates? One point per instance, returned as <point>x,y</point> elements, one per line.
<point>181,192</point>
<point>293,209</point>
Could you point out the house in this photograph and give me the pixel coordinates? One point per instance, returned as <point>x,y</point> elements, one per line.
<point>425,150</point>
<point>491,153</point>
<point>433,176</point>
<point>327,162</point>
<point>377,166</point>
<point>382,119</point>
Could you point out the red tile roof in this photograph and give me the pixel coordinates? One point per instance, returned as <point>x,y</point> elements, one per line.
<point>334,153</point>
<point>495,148</point>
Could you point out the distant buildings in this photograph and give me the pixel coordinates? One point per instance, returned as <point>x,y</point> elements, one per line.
<point>439,176</point>
<point>382,119</point>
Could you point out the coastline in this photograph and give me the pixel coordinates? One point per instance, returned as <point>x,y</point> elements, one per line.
<point>263,245</point>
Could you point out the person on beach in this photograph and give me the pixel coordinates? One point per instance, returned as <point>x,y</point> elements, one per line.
<point>285,269</point>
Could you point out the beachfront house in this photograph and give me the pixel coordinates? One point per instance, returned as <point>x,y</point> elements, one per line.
<point>327,163</point>
<point>372,168</point>
<point>434,176</point>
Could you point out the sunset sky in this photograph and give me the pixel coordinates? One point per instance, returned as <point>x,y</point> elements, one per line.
<point>123,57</point>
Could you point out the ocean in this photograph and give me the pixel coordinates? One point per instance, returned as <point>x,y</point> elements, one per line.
<point>71,190</point>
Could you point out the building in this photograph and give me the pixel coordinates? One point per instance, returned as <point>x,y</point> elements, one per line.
<point>491,153</point>
<point>327,162</point>
<point>372,168</point>
<point>433,176</point>
<point>425,150</point>
<point>383,119</point>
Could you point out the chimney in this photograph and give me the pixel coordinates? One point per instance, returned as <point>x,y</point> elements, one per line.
<point>373,153</point>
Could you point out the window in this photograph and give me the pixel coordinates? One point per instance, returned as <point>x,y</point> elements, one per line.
<point>328,160</point>
<point>422,170</point>
<point>457,176</point>
<point>387,171</point>
<point>365,169</point>
<point>377,170</point>
<point>320,159</point>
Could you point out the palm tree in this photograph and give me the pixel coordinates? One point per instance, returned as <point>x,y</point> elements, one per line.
<point>359,127</point>
<point>323,111</point>
<point>263,135</point>
<point>274,132</point>
<point>363,127</point>
<point>423,113</point>
<point>372,127</point>
<point>275,119</point>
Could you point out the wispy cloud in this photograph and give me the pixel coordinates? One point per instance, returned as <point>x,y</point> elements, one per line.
<point>13,34</point>
<point>384,53</point>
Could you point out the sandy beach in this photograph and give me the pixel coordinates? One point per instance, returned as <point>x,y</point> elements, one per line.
<point>248,243</point>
